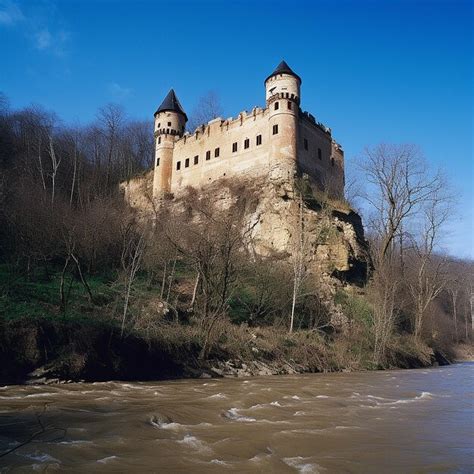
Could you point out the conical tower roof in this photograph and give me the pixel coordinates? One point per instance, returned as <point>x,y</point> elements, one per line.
<point>283,68</point>
<point>171,103</point>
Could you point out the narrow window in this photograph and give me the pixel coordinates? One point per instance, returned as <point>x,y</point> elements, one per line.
<point>305,144</point>
<point>196,159</point>
<point>259,139</point>
<point>332,161</point>
<point>246,143</point>
<point>208,155</point>
<point>277,105</point>
<point>320,156</point>
<point>275,129</point>
<point>234,147</point>
<point>167,130</point>
<point>157,162</point>
<point>178,165</point>
<point>169,124</point>
<point>216,152</point>
<point>289,105</point>
<point>159,140</point>
<point>186,163</point>
<point>159,125</point>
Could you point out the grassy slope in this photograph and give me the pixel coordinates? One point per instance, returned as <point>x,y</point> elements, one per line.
<point>84,342</point>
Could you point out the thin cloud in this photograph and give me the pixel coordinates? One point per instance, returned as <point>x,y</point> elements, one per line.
<point>42,26</point>
<point>10,13</point>
<point>118,91</point>
<point>54,42</point>
<point>43,39</point>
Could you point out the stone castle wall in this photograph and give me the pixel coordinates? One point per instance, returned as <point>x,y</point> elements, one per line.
<point>320,157</point>
<point>195,154</point>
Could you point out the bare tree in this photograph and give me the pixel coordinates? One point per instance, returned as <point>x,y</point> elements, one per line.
<point>111,118</point>
<point>399,183</point>
<point>428,276</point>
<point>306,241</point>
<point>299,259</point>
<point>401,188</point>
<point>213,246</point>
<point>208,108</point>
<point>134,245</point>
<point>55,162</point>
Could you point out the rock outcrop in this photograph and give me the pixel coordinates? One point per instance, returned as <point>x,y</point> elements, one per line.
<point>284,222</point>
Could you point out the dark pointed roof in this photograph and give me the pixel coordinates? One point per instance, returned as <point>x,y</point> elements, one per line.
<point>171,103</point>
<point>283,68</point>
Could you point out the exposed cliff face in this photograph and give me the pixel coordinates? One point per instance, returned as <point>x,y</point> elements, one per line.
<point>283,223</point>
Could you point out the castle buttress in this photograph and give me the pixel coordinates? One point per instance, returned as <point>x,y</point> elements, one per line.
<point>280,140</point>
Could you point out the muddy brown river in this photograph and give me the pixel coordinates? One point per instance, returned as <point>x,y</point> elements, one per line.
<point>382,422</point>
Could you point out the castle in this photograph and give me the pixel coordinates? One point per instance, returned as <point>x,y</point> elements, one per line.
<point>279,141</point>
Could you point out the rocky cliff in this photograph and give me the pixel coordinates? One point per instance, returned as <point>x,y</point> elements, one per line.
<point>333,234</point>
<point>286,218</point>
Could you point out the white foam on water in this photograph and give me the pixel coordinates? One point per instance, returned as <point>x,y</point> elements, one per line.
<point>322,396</point>
<point>391,404</point>
<point>219,462</point>
<point>41,457</point>
<point>422,396</point>
<point>218,395</point>
<point>76,442</point>
<point>195,443</point>
<point>329,429</point>
<point>107,459</point>
<point>163,425</point>
<point>293,397</point>
<point>300,413</point>
<point>32,395</point>
<point>233,414</point>
<point>260,457</point>
<point>277,422</point>
<point>302,465</point>
<point>380,398</point>
<point>132,386</point>
<point>265,405</point>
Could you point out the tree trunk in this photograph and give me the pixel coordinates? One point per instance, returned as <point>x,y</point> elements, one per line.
<point>195,290</point>
<point>83,280</point>
<point>62,306</point>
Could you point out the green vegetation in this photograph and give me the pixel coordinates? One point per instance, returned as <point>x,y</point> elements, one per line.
<point>89,289</point>
<point>84,341</point>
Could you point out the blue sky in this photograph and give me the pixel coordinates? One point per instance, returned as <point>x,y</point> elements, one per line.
<point>374,71</point>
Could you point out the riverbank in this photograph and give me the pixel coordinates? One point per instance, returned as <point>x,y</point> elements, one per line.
<point>85,340</point>
<point>54,350</point>
<point>464,353</point>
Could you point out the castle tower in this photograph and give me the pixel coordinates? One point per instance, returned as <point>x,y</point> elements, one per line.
<point>170,120</point>
<point>282,90</point>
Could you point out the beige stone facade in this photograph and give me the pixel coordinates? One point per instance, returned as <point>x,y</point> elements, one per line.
<point>278,141</point>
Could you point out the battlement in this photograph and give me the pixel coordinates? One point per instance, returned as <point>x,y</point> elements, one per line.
<point>311,119</point>
<point>220,125</point>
